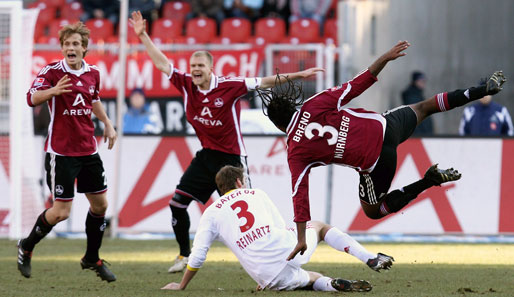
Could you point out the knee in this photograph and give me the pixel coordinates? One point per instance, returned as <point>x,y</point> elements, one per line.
<point>373,213</point>
<point>57,215</point>
<point>99,207</point>
<point>179,203</point>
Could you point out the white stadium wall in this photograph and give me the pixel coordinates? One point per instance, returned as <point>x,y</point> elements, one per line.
<point>480,203</point>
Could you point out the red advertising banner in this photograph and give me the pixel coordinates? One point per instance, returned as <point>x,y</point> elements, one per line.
<point>141,72</point>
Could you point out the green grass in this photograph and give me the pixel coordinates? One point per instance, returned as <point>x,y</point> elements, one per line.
<point>141,268</point>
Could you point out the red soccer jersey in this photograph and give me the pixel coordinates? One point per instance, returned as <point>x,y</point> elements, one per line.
<point>323,132</point>
<point>71,130</point>
<point>214,113</point>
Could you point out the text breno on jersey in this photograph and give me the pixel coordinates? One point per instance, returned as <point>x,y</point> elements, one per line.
<point>304,120</point>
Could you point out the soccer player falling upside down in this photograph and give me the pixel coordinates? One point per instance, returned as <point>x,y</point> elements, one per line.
<point>325,132</point>
<point>70,87</point>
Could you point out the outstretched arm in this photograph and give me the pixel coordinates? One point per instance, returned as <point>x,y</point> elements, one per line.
<point>269,81</point>
<point>392,54</point>
<point>158,58</point>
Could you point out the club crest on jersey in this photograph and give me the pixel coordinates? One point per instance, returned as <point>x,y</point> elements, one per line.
<point>39,81</point>
<point>218,102</point>
<point>59,190</point>
<point>91,90</point>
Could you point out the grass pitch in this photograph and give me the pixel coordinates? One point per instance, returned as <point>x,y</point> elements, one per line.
<point>141,268</point>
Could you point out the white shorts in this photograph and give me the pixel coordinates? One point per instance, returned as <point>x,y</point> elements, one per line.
<point>293,276</point>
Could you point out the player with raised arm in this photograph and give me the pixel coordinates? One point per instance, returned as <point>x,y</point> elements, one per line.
<point>249,224</point>
<point>71,89</point>
<point>213,109</point>
<point>324,131</point>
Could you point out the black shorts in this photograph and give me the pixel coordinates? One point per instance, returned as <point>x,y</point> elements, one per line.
<point>199,180</point>
<point>61,172</point>
<point>401,122</point>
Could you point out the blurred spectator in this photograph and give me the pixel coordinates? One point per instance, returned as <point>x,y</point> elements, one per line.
<point>311,9</point>
<point>486,118</point>
<point>414,94</point>
<point>100,9</point>
<point>207,8</point>
<point>250,9</point>
<point>276,9</point>
<point>139,119</point>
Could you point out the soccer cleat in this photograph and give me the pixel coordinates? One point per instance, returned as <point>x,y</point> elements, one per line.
<point>494,84</point>
<point>382,261</point>
<point>351,285</point>
<point>438,176</point>
<point>179,265</point>
<point>24,260</point>
<point>99,267</point>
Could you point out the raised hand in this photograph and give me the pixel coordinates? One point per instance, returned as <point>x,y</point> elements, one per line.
<point>311,71</point>
<point>392,54</point>
<point>397,50</point>
<point>138,22</point>
<point>62,86</point>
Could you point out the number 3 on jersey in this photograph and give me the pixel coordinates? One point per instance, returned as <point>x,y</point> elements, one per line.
<point>244,213</point>
<point>321,131</point>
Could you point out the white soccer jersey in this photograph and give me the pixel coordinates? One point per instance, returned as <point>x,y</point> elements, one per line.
<point>248,223</point>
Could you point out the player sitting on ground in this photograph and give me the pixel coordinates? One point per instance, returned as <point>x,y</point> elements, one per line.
<point>248,223</point>
<point>324,132</point>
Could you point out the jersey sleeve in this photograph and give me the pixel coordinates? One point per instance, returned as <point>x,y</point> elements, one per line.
<point>300,183</point>
<point>41,83</point>
<point>205,235</point>
<point>178,78</point>
<point>253,83</point>
<point>342,95</point>
<point>96,94</point>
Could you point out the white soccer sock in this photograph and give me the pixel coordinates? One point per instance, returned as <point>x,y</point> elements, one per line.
<point>323,283</point>
<point>345,243</point>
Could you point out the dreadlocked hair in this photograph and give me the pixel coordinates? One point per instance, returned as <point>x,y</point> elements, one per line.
<point>279,103</point>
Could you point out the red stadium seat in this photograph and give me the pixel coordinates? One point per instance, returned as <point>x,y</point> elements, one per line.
<point>176,10</point>
<point>46,14</point>
<point>101,29</point>
<point>166,30</point>
<point>304,31</point>
<point>72,11</point>
<point>54,3</point>
<point>39,31</point>
<point>200,30</point>
<point>236,30</point>
<point>56,25</point>
<point>49,40</point>
<point>270,30</point>
<point>330,31</point>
